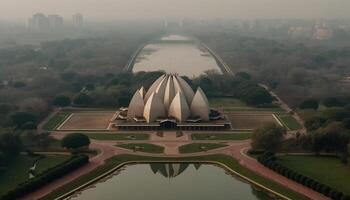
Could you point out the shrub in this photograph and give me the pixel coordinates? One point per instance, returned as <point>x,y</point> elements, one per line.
<point>82,99</point>
<point>47,176</point>
<point>20,118</point>
<point>62,101</point>
<point>309,104</point>
<point>75,140</point>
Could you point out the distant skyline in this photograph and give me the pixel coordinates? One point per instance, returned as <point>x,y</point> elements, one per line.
<point>162,9</point>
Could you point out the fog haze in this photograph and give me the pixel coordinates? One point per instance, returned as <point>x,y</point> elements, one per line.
<point>141,9</point>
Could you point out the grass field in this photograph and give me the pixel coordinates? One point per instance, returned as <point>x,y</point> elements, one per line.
<point>221,136</point>
<point>118,136</point>
<point>229,161</point>
<point>290,122</point>
<point>199,147</point>
<point>253,109</point>
<point>88,120</point>
<point>17,170</point>
<point>327,170</point>
<point>226,102</point>
<point>56,120</point>
<point>250,121</point>
<point>143,147</point>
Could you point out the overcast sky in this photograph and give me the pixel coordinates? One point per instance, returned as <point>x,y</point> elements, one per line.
<point>136,9</point>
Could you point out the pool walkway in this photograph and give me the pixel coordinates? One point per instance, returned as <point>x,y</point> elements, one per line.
<point>236,149</point>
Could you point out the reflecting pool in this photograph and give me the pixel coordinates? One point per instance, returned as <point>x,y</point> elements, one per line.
<point>175,54</point>
<point>171,181</point>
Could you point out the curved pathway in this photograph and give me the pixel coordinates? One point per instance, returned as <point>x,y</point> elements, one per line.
<point>236,149</point>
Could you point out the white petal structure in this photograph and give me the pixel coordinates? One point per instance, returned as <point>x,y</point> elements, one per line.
<point>154,108</point>
<point>153,87</point>
<point>187,90</point>
<point>136,106</point>
<point>142,92</point>
<point>200,105</point>
<point>179,108</point>
<point>161,87</point>
<point>170,95</point>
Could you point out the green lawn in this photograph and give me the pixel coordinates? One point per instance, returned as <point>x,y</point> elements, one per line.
<point>221,136</point>
<point>17,169</point>
<point>226,102</point>
<point>118,136</point>
<point>229,161</point>
<point>253,109</point>
<point>199,147</point>
<point>290,122</point>
<point>143,147</point>
<point>56,120</point>
<point>327,170</point>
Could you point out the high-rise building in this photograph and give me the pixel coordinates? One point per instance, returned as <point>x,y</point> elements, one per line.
<point>78,20</point>
<point>55,21</point>
<point>39,22</point>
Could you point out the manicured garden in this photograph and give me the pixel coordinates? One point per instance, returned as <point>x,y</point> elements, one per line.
<point>199,147</point>
<point>118,136</point>
<point>17,170</point>
<point>221,136</point>
<point>327,170</point>
<point>143,147</point>
<point>228,161</point>
<point>290,122</point>
<point>56,120</point>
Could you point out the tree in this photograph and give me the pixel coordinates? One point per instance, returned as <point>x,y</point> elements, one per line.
<point>309,104</point>
<point>75,140</point>
<point>62,101</point>
<point>18,84</point>
<point>20,118</point>
<point>82,99</point>
<point>333,102</point>
<point>268,137</point>
<point>10,144</point>
<point>243,75</point>
<point>90,86</point>
<point>346,123</point>
<point>332,138</point>
<point>335,114</point>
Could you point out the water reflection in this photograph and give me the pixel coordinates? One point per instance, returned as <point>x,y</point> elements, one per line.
<point>175,54</point>
<point>171,181</point>
<point>171,170</point>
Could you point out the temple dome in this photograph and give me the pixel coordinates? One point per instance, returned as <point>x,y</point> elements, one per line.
<point>169,96</point>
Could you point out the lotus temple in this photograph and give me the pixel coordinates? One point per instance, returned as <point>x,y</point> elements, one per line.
<point>169,103</point>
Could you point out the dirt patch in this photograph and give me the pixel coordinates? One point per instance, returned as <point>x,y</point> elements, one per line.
<point>88,121</point>
<point>250,121</point>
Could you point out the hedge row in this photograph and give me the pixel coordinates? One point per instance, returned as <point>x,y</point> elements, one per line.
<point>269,160</point>
<point>48,175</point>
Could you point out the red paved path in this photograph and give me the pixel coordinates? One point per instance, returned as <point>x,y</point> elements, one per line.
<point>236,149</point>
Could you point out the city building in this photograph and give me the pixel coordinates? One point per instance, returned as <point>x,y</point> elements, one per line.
<point>40,21</point>
<point>55,21</point>
<point>78,20</point>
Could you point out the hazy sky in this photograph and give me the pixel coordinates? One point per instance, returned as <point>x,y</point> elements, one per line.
<point>135,9</point>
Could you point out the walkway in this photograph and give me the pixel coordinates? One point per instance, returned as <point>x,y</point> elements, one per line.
<point>286,107</point>
<point>236,149</point>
